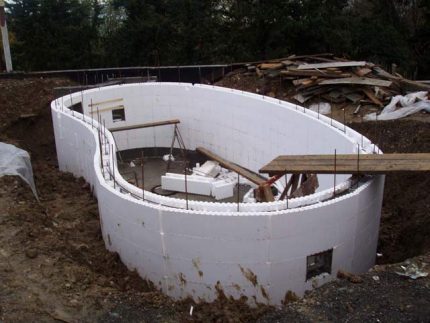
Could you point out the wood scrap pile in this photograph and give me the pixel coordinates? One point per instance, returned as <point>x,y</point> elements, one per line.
<point>336,80</point>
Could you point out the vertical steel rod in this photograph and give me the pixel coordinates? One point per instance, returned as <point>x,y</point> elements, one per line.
<point>101,152</point>
<point>92,114</point>
<point>286,183</point>
<point>358,163</point>
<point>82,105</point>
<point>71,103</point>
<point>319,101</point>
<point>334,177</point>
<point>238,192</point>
<point>113,166</point>
<point>143,176</point>
<point>331,112</point>
<point>344,119</point>
<point>186,185</point>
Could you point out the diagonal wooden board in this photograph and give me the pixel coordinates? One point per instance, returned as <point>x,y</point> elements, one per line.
<point>252,177</point>
<point>348,164</point>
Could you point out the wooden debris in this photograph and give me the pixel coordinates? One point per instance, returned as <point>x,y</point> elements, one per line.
<point>327,74</point>
<point>330,65</point>
<point>363,71</point>
<point>358,81</point>
<point>335,79</point>
<point>271,66</point>
<point>357,110</point>
<point>372,97</point>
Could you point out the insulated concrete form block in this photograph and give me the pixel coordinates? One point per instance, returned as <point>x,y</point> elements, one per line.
<point>342,257</point>
<point>234,279</point>
<point>195,184</point>
<point>216,250</point>
<point>222,190</point>
<point>289,276</point>
<point>260,251</point>
<point>225,227</point>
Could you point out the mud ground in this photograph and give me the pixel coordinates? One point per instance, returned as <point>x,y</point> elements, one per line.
<point>54,267</point>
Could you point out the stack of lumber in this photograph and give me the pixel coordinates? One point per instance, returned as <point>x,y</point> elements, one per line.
<point>336,80</point>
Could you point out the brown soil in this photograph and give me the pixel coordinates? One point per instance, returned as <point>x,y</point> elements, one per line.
<point>405,227</point>
<point>54,266</point>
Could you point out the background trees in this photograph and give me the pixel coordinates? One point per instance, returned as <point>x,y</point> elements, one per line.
<point>56,34</point>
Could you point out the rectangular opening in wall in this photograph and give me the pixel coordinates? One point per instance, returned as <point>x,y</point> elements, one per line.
<point>319,263</point>
<point>77,107</point>
<point>118,114</point>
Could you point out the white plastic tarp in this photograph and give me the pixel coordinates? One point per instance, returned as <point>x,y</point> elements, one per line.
<point>15,161</point>
<point>409,104</point>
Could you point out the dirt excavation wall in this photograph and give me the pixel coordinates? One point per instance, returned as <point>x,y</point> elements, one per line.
<point>261,252</point>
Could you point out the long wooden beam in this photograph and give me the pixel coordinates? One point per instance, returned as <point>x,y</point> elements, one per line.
<point>254,178</point>
<point>146,125</point>
<point>348,164</point>
<point>331,65</point>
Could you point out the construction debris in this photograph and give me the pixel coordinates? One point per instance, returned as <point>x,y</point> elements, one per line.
<point>412,270</point>
<point>336,80</point>
<point>409,104</point>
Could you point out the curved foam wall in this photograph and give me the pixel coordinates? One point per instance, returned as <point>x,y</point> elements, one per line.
<point>259,252</point>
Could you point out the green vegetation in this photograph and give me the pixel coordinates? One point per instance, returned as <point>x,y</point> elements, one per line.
<point>60,34</point>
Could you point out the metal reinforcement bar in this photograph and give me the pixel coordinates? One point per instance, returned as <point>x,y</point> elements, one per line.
<point>348,164</point>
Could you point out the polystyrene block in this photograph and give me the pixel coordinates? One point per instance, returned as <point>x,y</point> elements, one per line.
<point>240,251</point>
<point>222,190</point>
<point>216,227</point>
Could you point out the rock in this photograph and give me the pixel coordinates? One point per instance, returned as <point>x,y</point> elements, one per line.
<point>31,253</point>
<point>341,274</point>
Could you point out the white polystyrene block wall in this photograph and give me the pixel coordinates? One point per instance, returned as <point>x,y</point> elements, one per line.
<point>190,252</point>
<point>211,117</point>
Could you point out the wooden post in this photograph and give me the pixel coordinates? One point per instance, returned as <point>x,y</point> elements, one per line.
<point>5,38</point>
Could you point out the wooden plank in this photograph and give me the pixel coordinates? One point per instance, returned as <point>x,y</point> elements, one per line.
<point>146,125</point>
<point>363,71</point>
<point>383,73</point>
<point>301,81</point>
<point>105,102</point>
<point>308,187</point>
<point>107,109</point>
<point>409,85</point>
<point>267,193</point>
<point>357,80</point>
<point>349,164</point>
<point>271,66</point>
<point>296,72</point>
<point>254,178</point>
<point>330,65</point>
<point>372,97</point>
<point>310,56</point>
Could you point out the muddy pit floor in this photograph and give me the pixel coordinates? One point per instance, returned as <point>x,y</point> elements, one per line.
<point>154,167</point>
<point>54,266</point>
